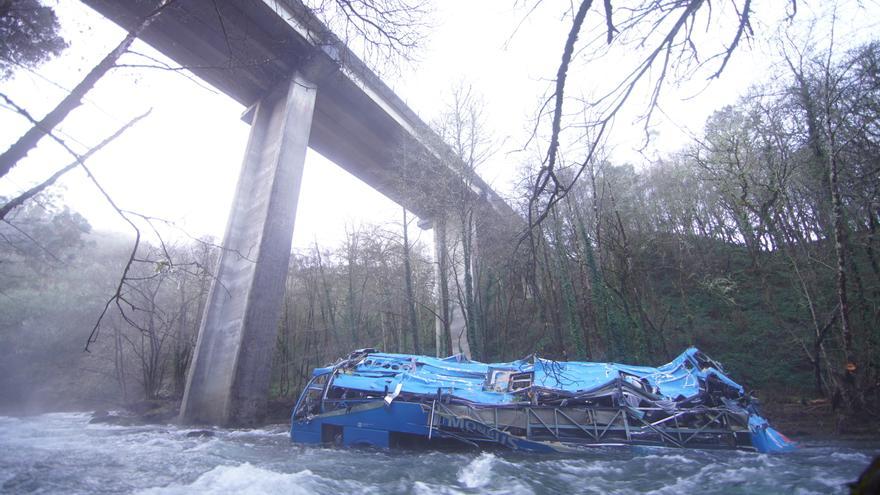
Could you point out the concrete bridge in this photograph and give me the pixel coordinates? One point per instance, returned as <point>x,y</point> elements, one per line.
<point>302,88</point>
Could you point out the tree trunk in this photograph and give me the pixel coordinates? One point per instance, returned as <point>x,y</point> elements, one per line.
<point>471,317</point>
<point>410,296</point>
<point>850,367</point>
<point>443,282</point>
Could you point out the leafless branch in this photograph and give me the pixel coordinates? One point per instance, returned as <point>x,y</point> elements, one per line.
<point>29,139</point>
<point>675,48</point>
<point>30,238</point>
<point>20,199</point>
<point>384,31</point>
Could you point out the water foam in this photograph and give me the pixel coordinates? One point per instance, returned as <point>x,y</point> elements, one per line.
<point>243,479</point>
<point>478,473</point>
<point>851,457</point>
<point>62,453</point>
<point>422,488</point>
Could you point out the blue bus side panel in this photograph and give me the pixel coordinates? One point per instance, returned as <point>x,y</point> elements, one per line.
<point>352,435</point>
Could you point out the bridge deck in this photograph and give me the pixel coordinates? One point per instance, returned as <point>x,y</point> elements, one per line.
<point>245,48</point>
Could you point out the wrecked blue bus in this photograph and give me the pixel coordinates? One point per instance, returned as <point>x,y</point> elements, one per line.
<point>533,404</point>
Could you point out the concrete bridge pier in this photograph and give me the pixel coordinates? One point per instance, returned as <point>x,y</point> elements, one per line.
<point>228,381</point>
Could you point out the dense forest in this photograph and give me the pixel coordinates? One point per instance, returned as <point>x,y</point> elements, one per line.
<point>757,242</point>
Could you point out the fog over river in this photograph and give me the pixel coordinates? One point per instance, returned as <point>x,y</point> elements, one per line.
<point>62,453</point>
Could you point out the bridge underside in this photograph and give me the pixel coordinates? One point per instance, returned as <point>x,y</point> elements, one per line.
<point>245,48</point>
<point>302,88</point>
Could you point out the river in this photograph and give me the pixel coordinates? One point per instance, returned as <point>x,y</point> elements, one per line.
<point>62,453</point>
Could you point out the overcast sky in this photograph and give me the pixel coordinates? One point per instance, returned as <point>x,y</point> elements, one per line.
<point>182,162</point>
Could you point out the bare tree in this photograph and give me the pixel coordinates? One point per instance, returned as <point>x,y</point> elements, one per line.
<point>665,34</point>
<point>410,293</point>
<point>384,32</point>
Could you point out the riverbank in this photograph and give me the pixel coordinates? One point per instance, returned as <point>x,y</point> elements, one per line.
<point>165,411</point>
<point>815,420</point>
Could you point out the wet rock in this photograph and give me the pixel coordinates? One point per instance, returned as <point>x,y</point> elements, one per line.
<point>200,434</point>
<point>104,417</point>
<point>869,481</point>
<point>160,415</point>
<point>155,411</point>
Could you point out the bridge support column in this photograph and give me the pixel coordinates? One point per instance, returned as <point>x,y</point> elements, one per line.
<point>228,381</point>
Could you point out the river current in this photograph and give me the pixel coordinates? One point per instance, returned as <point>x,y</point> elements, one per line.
<point>62,453</point>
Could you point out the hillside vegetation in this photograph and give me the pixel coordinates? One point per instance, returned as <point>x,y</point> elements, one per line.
<point>757,243</point>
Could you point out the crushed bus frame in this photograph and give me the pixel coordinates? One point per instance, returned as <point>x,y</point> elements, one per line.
<point>533,404</point>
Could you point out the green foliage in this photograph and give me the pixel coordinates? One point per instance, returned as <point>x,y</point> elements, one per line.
<point>29,35</point>
<point>728,244</point>
<point>56,278</point>
<point>54,283</point>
